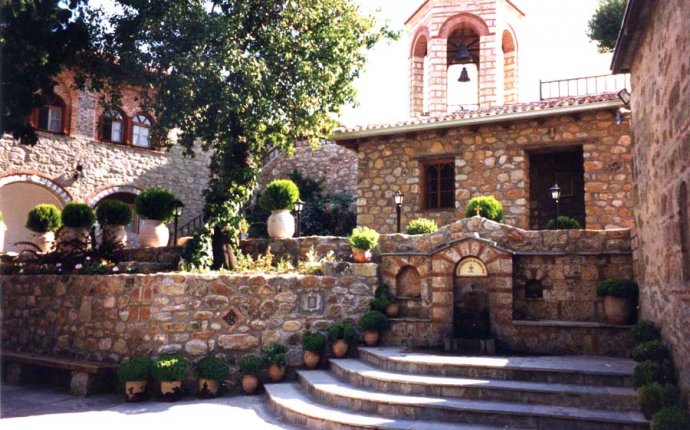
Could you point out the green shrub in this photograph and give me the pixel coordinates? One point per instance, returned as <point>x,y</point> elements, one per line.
<point>648,372</point>
<point>211,367</point>
<point>113,212</point>
<point>379,305</point>
<point>155,204</point>
<point>654,397</point>
<point>373,321</point>
<point>279,194</point>
<point>645,331</point>
<point>343,330</point>
<point>2,218</point>
<point>134,369</point>
<point>78,215</point>
<point>44,218</point>
<point>673,418</point>
<point>250,364</point>
<point>383,291</point>
<point>421,226</point>
<point>564,223</point>
<point>622,288</point>
<point>169,368</point>
<point>313,341</point>
<point>363,238</point>
<point>489,208</point>
<point>275,354</point>
<point>653,350</point>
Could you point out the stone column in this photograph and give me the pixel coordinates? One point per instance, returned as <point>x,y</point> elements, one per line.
<point>438,77</point>
<point>487,71</point>
<point>416,86</point>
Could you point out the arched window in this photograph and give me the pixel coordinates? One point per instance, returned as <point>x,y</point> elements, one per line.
<point>51,116</point>
<point>534,289</point>
<point>113,127</point>
<point>141,127</point>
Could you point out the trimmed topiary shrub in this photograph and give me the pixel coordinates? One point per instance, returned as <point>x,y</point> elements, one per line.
<point>169,368</point>
<point>654,397</point>
<point>113,212</point>
<point>250,364</point>
<point>489,208</point>
<point>421,226</point>
<point>673,418</point>
<point>78,215</point>
<point>653,350</point>
<point>44,218</point>
<point>645,331</point>
<point>211,367</point>
<point>279,194</point>
<point>378,304</point>
<point>275,354</point>
<point>342,330</point>
<point>623,288</point>
<point>313,341</point>
<point>649,372</point>
<point>374,321</point>
<point>134,369</point>
<point>156,204</point>
<point>564,223</point>
<point>363,238</point>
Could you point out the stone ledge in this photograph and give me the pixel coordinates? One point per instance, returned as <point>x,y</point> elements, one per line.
<point>573,324</point>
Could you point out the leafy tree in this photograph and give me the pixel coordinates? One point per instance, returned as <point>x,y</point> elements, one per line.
<point>605,24</point>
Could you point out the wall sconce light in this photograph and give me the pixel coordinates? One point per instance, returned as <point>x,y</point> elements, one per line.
<point>177,207</point>
<point>78,172</point>
<point>624,95</point>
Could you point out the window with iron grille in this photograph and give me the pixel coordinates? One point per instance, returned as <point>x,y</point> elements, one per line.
<point>438,184</point>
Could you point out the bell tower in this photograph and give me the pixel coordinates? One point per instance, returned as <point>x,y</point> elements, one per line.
<point>463,55</point>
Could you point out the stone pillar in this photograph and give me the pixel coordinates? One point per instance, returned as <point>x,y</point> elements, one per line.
<point>81,384</point>
<point>442,296</point>
<point>416,86</point>
<point>510,89</point>
<point>487,71</point>
<point>438,77</point>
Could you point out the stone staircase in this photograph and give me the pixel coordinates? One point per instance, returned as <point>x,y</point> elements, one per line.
<point>388,388</point>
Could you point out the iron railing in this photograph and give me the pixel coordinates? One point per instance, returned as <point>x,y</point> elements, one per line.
<point>583,86</point>
<point>191,226</point>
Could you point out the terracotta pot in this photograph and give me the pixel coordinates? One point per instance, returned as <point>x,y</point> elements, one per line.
<point>115,235</point>
<point>136,391</point>
<point>361,255</point>
<point>392,310</point>
<point>207,388</point>
<point>281,224</point>
<point>276,372</point>
<point>339,348</point>
<point>153,234</point>
<point>74,239</point>
<point>311,359</point>
<point>617,310</point>
<point>250,383</point>
<point>45,241</point>
<point>170,390</point>
<point>371,338</point>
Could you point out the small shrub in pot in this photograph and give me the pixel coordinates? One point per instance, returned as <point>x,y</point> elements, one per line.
<point>489,208</point>
<point>113,212</point>
<point>421,226</point>
<point>645,331</point>
<point>78,215</point>
<point>210,371</point>
<point>341,334</point>
<point>564,223</point>
<point>134,374</point>
<point>155,205</point>
<point>313,344</point>
<point>169,370</point>
<point>362,240</point>
<point>372,324</point>
<point>653,350</point>
<point>275,358</point>
<point>654,397</point>
<point>671,418</point>
<point>648,372</point>
<point>44,218</point>
<point>619,298</point>
<point>279,194</point>
<point>250,365</point>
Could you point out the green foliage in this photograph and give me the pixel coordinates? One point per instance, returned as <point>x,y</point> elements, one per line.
<point>489,208</point>
<point>169,368</point>
<point>275,354</point>
<point>342,330</point>
<point>373,321</point>
<point>2,218</point>
<point>654,397</point>
<point>672,418</point>
<point>645,331</point>
<point>363,238</point>
<point>78,215</point>
<point>198,253</point>
<point>605,24</point>
<point>279,194</point>
<point>113,212</point>
<point>250,364</point>
<point>313,341</point>
<point>648,372</point>
<point>378,304</point>
<point>44,218</point>
<point>134,369</point>
<point>155,203</point>
<point>653,350</point>
<point>383,291</point>
<point>622,288</point>
<point>421,226</point>
<point>211,367</point>
<point>564,223</point>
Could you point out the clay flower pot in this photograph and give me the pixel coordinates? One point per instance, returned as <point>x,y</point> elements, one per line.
<point>276,372</point>
<point>339,348</point>
<point>44,241</point>
<point>281,224</point>
<point>361,255</point>
<point>115,235</point>
<point>250,383</point>
<point>153,234</point>
<point>207,388</point>
<point>392,310</point>
<point>170,391</point>
<point>311,359</point>
<point>74,239</point>
<point>371,338</point>
<point>136,391</point>
<point>617,309</point>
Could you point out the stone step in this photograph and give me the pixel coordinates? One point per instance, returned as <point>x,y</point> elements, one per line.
<point>291,403</point>
<point>361,374</point>
<point>325,388</point>
<point>581,370</point>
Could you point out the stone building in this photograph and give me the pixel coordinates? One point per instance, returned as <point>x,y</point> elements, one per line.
<point>449,152</point>
<point>652,46</point>
<point>85,154</point>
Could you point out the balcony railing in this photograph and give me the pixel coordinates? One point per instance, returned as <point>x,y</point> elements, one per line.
<point>583,86</point>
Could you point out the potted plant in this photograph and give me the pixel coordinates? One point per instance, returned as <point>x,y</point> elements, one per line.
<point>77,220</point>
<point>485,206</point>
<point>279,197</point>
<point>44,220</point>
<point>250,365</point>
<point>169,370</point>
<point>385,301</point>
<point>113,216</point>
<point>362,240</point>
<point>135,373</point>
<point>312,343</point>
<point>421,226</point>
<point>274,357</point>
<point>372,324</point>
<point>210,371</point>
<point>341,334</point>
<point>3,228</point>
<point>619,299</point>
<point>155,206</point>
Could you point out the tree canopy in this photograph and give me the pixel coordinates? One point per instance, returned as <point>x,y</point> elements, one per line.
<point>605,24</point>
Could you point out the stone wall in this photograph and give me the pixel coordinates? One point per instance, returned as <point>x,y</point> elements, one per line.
<point>295,249</point>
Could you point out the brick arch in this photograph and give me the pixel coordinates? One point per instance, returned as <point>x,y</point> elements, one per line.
<point>463,19</point>
<point>422,33</point>
<point>509,41</point>
<point>99,195</point>
<point>38,179</point>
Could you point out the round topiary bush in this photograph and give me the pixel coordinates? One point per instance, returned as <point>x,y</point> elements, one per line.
<point>279,194</point>
<point>651,399</point>
<point>211,367</point>
<point>653,350</point>
<point>489,208</point>
<point>363,238</point>
<point>564,223</point>
<point>673,418</point>
<point>421,226</point>
<point>275,354</point>
<point>622,288</point>
<point>313,341</point>
<point>374,321</point>
<point>645,331</point>
<point>113,212</point>
<point>155,204</point>
<point>169,368</point>
<point>134,369</point>
<point>44,218</point>
<point>78,215</point>
<point>649,372</point>
<point>250,364</point>
<point>343,330</point>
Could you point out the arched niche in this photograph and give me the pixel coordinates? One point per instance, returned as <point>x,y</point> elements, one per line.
<point>408,283</point>
<point>510,67</point>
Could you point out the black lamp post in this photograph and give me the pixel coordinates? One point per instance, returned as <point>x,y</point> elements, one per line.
<point>299,205</point>
<point>398,199</point>
<point>177,208</point>
<point>556,196</point>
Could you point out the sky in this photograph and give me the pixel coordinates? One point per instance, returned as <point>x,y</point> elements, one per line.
<point>552,45</point>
